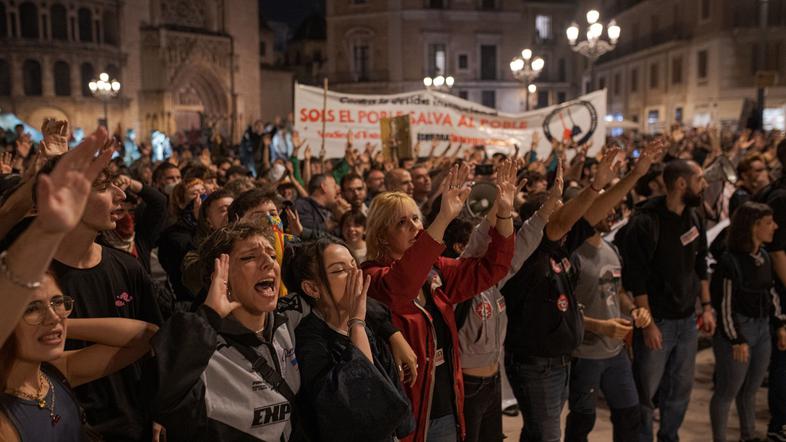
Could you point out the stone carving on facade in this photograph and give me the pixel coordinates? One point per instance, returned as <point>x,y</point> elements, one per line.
<point>189,13</point>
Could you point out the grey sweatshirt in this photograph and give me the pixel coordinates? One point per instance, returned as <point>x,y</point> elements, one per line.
<point>483,334</point>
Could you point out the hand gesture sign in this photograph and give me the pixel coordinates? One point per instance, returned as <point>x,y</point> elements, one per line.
<point>62,195</point>
<point>307,153</point>
<point>506,188</point>
<point>607,169</point>
<point>454,192</point>
<point>554,199</point>
<point>648,155</point>
<point>55,137</point>
<point>23,145</point>
<point>6,163</point>
<point>218,297</point>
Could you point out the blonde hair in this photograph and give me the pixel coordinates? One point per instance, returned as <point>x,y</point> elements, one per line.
<point>385,210</point>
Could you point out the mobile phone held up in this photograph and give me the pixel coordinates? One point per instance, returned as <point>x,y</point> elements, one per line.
<point>484,169</point>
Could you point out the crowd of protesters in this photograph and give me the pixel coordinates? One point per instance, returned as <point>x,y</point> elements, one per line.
<point>263,292</point>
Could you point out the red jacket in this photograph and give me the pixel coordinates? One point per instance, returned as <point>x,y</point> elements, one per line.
<point>397,285</point>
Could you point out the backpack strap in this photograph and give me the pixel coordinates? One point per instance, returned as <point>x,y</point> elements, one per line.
<point>260,365</point>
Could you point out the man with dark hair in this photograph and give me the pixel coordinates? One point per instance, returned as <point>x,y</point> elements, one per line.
<point>421,181</point>
<point>353,189</point>
<point>753,176</point>
<point>375,183</point>
<point>315,210</point>
<point>255,203</point>
<point>651,184</point>
<point>399,180</point>
<point>166,176</point>
<point>775,197</point>
<point>665,251</point>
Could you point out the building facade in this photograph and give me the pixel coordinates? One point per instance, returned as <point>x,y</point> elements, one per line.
<point>693,61</point>
<point>183,64</point>
<point>389,46</point>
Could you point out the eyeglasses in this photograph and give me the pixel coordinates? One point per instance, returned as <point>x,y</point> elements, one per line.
<point>36,311</point>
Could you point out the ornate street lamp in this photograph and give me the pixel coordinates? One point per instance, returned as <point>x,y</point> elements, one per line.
<point>440,82</point>
<point>104,89</point>
<point>526,68</point>
<point>594,46</point>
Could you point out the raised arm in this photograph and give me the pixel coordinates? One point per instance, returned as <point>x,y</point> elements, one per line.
<point>62,196</point>
<point>564,218</point>
<point>606,201</point>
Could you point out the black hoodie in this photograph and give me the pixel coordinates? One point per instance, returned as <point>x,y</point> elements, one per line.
<point>668,267</point>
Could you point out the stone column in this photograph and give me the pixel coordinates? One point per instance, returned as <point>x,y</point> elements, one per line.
<point>47,76</point>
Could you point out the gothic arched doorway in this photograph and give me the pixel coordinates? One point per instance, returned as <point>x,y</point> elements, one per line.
<point>200,103</point>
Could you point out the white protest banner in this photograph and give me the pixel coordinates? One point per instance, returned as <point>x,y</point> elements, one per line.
<point>446,118</point>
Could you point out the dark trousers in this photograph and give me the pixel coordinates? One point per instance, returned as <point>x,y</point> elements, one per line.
<point>614,377</point>
<point>541,389</point>
<point>483,408</point>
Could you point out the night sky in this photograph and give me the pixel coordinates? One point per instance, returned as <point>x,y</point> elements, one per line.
<point>291,12</point>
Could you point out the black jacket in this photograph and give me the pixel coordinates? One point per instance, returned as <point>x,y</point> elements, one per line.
<point>665,257</point>
<point>742,287</point>
<point>177,240</point>
<point>208,391</point>
<point>345,396</point>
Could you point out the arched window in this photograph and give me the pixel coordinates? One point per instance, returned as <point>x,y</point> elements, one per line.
<point>113,71</point>
<point>110,28</point>
<point>87,74</point>
<point>3,23</point>
<point>85,25</point>
<point>59,18</point>
<point>62,79</point>
<point>28,17</point>
<point>31,77</point>
<point>5,79</point>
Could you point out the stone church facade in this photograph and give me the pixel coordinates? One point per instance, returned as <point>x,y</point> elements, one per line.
<point>183,64</point>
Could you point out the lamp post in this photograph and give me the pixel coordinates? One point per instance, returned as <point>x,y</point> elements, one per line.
<point>526,68</point>
<point>440,82</point>
<point>594,46</point>
<point>104,89</point>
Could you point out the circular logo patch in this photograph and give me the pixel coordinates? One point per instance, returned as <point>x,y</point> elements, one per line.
<point>563,303</point>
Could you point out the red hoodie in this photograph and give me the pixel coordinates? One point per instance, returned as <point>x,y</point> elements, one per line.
<point>398,284</point>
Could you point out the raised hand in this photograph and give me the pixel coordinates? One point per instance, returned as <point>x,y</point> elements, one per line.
<point>649,154</point>
<point>356,292</point>
<point>55,137</point>
<point>307,153</point>
<point>218,296</point>
<point>294,225</point>
<point>23,145</point>
<point>62,195</point>
<point>554,200</point>
<point>506,188</point>
<point>607,169</point>
<point>454,192</point>
<point>6,163</point>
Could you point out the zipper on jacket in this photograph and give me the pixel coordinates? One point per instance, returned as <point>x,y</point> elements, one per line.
<point>433,370</point>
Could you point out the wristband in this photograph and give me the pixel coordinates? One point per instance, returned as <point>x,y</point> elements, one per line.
<point>705,303</point>
<point>505,217</point>
<point>355,321</point>
<point>13,277</point>
<point>592,186</point>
